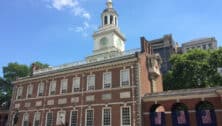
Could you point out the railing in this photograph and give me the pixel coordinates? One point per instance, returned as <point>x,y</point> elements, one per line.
<point>128,52</point>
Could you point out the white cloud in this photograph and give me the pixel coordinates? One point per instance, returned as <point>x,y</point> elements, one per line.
<point>73,5</point>
<point>60,4</point>
<point>83,29</point>
<point>79,11</point>
<point>86,15</point>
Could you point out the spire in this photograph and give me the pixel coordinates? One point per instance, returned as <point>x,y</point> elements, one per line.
<point>109,4</point>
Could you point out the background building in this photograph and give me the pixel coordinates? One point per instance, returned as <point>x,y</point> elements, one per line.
<point>165,46</point>
<point>203,43</point>
<point>103,90</point>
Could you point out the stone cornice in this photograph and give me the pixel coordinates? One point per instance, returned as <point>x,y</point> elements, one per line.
<point>184,94</point>
<point>109,29</point>
<point>95,65</point>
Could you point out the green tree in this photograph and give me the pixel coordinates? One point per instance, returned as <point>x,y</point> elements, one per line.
<point>10,73</point>
<point>5,92</point>
<point>215,62</point>
<point>40,65</point>
<point>14,70</point>
<point>193,69</point>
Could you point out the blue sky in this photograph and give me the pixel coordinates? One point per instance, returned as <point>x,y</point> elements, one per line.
<point>60,31</point>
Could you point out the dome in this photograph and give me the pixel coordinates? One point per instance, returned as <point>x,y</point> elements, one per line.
<point>110,10</point>
<point>109,1</point>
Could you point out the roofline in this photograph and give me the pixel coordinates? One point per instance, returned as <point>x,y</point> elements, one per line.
<point>80,67</point>
<point>184,94</point>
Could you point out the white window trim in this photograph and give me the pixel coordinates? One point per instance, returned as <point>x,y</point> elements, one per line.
<point>27,93</point>
<point>86,116</point>
<point>50,85</point>
<point>110,116</point>
<point>104,80</point>
<point>41,83</point>
<point>73,84</point>
<point>47,118</point>
<point>65,79</point>
<point>35,117</point>
<point>92,75</point>
<point>19,89</point>
<point>70,120</point>
<point>24,118</point>
<point>13,116</point>
<point>121,77</point>
<point>59,117</point>
<point>129,115</point>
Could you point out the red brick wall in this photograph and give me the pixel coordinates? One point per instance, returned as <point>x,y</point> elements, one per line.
<point>144,75</point>
<point>189,102</point>
<point>82,97</point>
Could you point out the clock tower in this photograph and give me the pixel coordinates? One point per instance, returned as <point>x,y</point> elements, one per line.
<point>108,40</point>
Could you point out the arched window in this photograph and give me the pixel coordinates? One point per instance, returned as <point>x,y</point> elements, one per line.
<point>180,115</point>
<point>205,114</point>
<point>157,115</point>
<point>105,20</point>
<point>111,19</point>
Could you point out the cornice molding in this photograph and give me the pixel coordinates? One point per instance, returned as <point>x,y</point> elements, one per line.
<point>92,67</point>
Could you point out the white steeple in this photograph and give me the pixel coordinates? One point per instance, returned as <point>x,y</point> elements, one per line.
<point>108,40</point>
<point>109,15</point>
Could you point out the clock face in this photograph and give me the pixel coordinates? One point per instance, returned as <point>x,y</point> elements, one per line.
<point>103,41</point>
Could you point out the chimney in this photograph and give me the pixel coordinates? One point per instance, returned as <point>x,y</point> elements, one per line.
<point>33,68</point>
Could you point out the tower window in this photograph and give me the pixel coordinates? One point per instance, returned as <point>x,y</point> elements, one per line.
<point>111,19</point>
<point>105,20</point>
<point>115,21</point>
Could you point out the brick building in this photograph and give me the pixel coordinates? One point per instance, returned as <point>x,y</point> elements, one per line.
<point>190,107</point>
<point>112,87</point>
<point>103,90</point>
<point>3,116</point>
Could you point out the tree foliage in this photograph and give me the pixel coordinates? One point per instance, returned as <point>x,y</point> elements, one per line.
<point>14,70</point>
<point>5,92</point>
<point>10,73</point>
<point>40,65</point>
<point>194,69</point>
